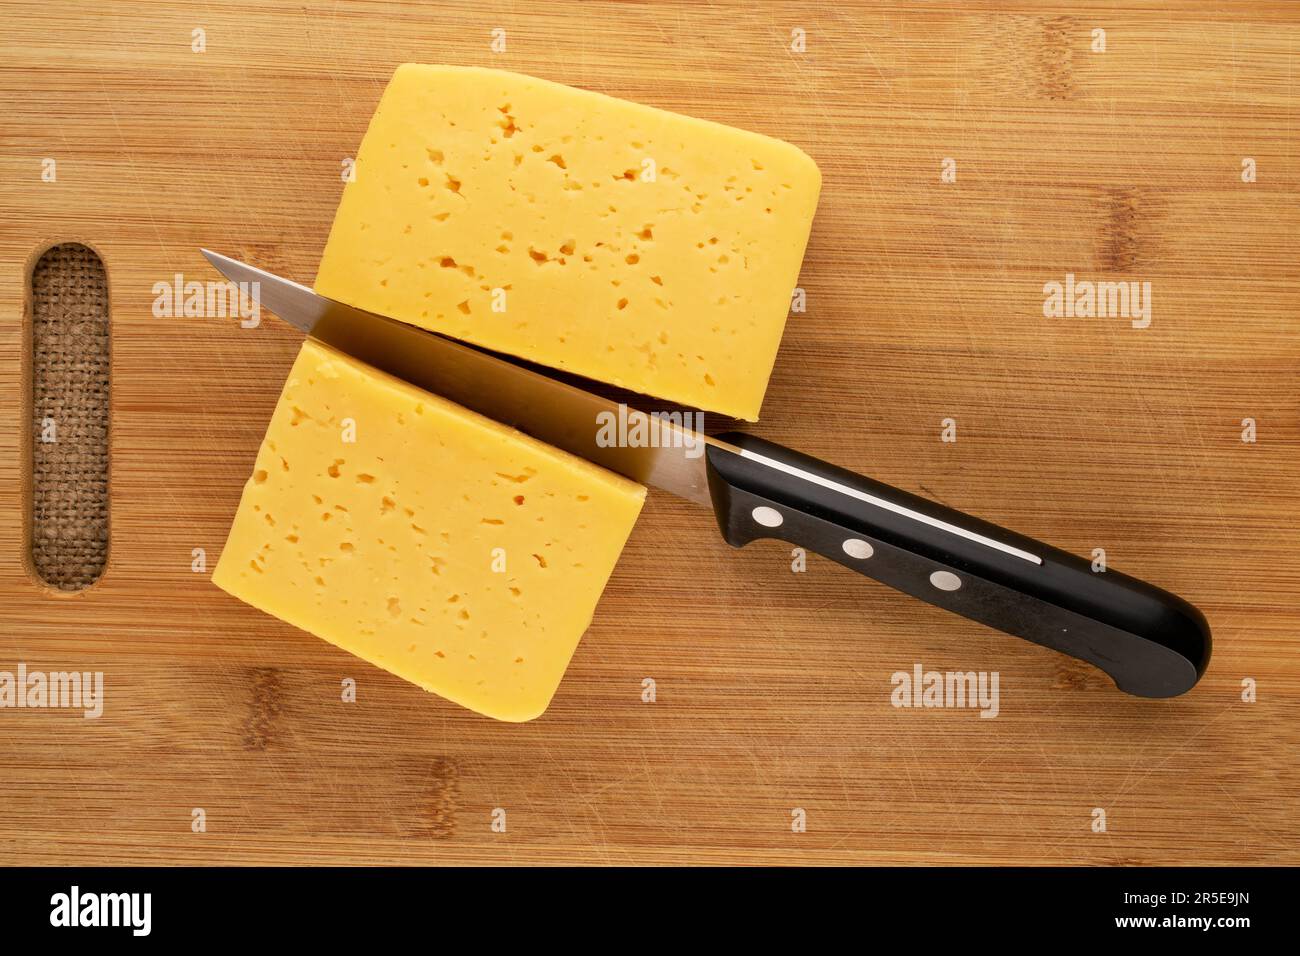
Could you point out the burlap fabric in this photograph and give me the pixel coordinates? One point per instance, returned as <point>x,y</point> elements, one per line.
<point>70,390</point>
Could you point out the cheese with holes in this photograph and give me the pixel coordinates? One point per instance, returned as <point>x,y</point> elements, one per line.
<point>437,544</point>
<point>631,245</point>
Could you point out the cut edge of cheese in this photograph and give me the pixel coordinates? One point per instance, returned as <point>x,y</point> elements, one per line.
<point>283,512</point>
<point>681,292</point>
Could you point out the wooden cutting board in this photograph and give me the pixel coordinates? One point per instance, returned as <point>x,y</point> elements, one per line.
<point>773,688</point>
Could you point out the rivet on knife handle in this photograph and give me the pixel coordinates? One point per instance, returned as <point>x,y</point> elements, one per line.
<point>1152,643</point>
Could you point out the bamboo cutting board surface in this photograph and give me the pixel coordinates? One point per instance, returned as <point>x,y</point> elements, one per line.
<point>924,302</point>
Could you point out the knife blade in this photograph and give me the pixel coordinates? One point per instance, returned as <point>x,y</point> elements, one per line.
<point>1152,643</point>
<point>546,408</point>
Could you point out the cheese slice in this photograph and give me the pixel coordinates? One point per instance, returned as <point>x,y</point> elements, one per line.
<point>631,245</point>
<point>437,544</point>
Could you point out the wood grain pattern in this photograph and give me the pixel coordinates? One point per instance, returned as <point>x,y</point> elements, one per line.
<point>924,302</point>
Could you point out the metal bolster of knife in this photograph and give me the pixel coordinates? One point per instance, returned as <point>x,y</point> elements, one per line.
<point>1151,643</point>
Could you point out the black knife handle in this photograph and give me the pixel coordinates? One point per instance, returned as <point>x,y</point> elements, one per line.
<point>1152,643</point>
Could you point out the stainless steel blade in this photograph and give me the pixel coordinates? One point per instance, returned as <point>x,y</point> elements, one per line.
<point>551,411</point>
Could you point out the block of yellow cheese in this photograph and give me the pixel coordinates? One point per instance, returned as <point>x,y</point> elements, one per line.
<point>437,544</point>
<point>628,244</point>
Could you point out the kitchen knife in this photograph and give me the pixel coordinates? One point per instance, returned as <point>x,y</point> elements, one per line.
<point>1151,643</point>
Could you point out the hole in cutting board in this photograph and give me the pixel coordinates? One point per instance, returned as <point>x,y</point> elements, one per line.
<point>69,417</point>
